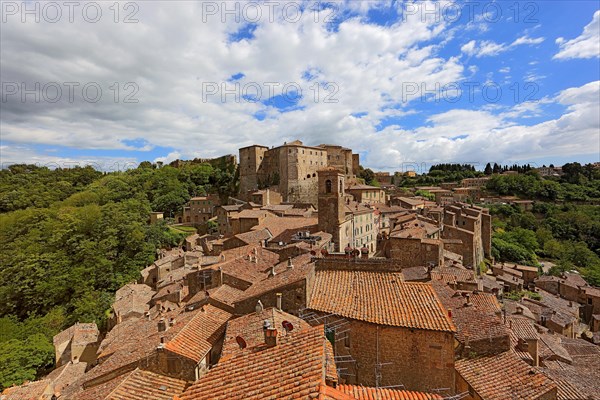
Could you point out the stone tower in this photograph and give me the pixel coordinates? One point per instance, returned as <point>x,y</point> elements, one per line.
<point>331,203</point>
<point>251,158</point>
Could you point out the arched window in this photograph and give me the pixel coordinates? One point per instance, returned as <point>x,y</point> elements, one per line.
<point>341,187</point>
<point>327,186</point>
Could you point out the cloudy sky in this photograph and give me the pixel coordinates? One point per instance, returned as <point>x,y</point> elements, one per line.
<point>405,84</point>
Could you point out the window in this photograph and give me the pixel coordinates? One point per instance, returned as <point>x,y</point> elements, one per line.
<point>347,339</point>
<point>327,186</point>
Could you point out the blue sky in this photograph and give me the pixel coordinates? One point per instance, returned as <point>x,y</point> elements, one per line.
<point>504,82</point>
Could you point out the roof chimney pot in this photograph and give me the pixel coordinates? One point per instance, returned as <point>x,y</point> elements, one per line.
<point>271,337</point>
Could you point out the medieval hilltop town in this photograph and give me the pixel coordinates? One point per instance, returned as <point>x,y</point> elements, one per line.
<point>311,284</point>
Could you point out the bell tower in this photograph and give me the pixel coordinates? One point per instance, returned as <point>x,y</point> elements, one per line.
<point>331,203</point>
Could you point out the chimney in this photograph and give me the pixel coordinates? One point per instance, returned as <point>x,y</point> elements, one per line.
<point>171,322</point>
<point>259,307</point>
<point>162,325</point>
<point>468,302</point>
<point>289,264</point>
<point>519,310</point>
<point>279,295</point>
<point>220,276</point>
<point>270,334</point>
<point>533,349</point>
<point>272,273</point>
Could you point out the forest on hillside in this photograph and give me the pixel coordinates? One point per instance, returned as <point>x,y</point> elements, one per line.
<point>70,238</point>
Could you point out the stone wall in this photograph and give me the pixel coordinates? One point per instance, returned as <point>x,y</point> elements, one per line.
<point>419,359</point>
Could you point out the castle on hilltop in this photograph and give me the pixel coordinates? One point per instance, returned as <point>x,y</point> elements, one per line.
<point>292,169</point>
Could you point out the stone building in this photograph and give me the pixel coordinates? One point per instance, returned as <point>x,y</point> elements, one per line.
<point>77,344</point>
<point>414,241</point>
<point>475,182</point>
<point>473,227</point>
<point>200,209</point>
<point>406,339</point>
<point>384,178</point>
<point>291,168</point>
<point>352,225</point>
<point>367,194</point>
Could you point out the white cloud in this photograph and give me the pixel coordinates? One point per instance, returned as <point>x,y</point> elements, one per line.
<point>485,48</point>
<point>586,45</point>
<point>171,55</point>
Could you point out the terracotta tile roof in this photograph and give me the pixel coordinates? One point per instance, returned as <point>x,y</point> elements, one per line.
<point>550,348</point>
<point>592,291</point>
<point>520,349</point>
<point>579,380</point>
<point>363,187</point>
<point>411,200</point>
<point>566,389</point>
<point>522,327</point>
<point>132,298</point>
<point>200,334</point>
<point>580,348</point>
<point>234,207</point>
<point>371,393</point>
<point>143,385</point>
<point>66,375</point>
<point>415,274</point>
<point>225,294</point>
<point>572,279</point>
<point>478,321</point>
<point>293,369</point>
<point>238,264</point>
<point>250,328</point>
<point>504,376</point>
<point>27,391</point>
<point>284,276</point>
<point>85,333</point>
<point>486,302</point>
<point>379,297</point>
<point>252,214</point>
<point>132,340</point>
<point>278,225</point>
<point>254,236</point>
<point>451,274</point>
<point>278,207</point>
<point>99,391</point>
<point>330,393</point>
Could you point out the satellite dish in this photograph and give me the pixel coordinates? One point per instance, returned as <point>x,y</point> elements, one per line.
<point>288,326</point>
<point>241,342</point>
